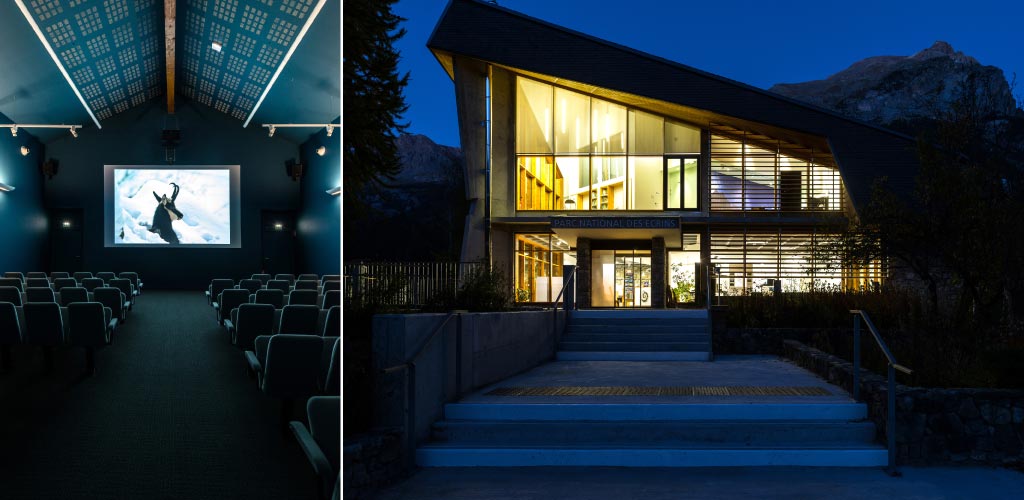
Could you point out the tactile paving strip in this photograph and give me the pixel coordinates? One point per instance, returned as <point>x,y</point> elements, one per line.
<point>660,391</point>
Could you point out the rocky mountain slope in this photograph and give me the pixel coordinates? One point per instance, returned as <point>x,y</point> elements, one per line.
<point>419,215</point>
<point>892,89</point>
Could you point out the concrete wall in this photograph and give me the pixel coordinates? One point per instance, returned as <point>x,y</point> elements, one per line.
<point>495,346</point>
<point>471,106</point>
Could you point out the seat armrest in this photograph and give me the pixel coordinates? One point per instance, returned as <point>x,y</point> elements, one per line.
<point>230,325</point>
<point>254,364</point>
<point>321,466</point>
<point>261,345</point>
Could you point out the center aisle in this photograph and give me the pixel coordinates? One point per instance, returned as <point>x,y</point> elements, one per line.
<point>169,414</point>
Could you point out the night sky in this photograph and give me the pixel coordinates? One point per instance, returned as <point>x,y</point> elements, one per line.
<point>759,43</point>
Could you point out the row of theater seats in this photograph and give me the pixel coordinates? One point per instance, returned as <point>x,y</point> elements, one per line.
<point>58,280</point>
<point>37,310</point>
<point>289,330</point>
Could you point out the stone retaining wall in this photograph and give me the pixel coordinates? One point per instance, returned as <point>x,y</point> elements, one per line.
<point>371,461</point>
<point>979,426</point>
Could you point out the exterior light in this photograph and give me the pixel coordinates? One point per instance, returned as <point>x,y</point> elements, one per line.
<point>320,151</point>
<point>24,151</point>
<point>216,46</point>
<point>6,187</point>
<point>335,191</point>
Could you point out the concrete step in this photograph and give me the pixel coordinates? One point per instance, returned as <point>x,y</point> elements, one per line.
<point>685,434</point>
<point>442,455</point>
<point>605,412</point>
<point>637,337</point>
<point>637,328</point>
<point>633,346</point>
<point>633,356</point>
<point>671,322</point>
<point>640,313</point>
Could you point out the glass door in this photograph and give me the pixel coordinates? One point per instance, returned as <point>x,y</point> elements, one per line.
<point>633,278</point>
<point>681,182</point>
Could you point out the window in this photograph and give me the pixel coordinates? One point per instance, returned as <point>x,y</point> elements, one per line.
<point>577,152</point>
<point>539,262</point>
<point>761,260</point>
<point>750,176</point>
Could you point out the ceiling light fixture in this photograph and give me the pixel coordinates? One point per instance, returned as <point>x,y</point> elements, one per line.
<point>272,130</point>
<point>14,131</point>
<point>24,151</point>
<point>74,132</point>
<point>330,130</point>
<point>6,188</point>
<point>216,46</point>
<point>335,191</point>
<point>320,151</point>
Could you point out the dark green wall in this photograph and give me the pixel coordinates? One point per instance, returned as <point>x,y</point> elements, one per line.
<point>319,222</point>
<point>23,221</point>
<point>208,138</point>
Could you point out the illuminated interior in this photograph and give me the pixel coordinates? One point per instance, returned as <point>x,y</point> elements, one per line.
<point>538,266</point>
<point>577,152</point>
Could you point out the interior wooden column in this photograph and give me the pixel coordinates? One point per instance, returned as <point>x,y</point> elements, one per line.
<point>169,9</point>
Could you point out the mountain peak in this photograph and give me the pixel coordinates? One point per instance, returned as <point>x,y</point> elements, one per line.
<point>887,89</point>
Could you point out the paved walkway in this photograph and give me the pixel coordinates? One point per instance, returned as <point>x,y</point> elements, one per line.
<point>756,371</point>
<point>598,483</point>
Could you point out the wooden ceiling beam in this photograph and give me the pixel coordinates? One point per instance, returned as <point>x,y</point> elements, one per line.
<point>169,9</point>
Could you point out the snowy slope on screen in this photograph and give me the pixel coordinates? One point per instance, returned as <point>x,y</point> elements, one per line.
<point>204,199</point>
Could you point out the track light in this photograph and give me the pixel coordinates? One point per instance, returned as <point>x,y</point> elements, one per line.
<point>320,151</point>
<point>24,151</point>
<point>15,126</point>
<point>272,130</point>
<point>330,130</point>
<point>275,126</point>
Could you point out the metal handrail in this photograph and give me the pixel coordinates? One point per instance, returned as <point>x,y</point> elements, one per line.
<point>890,427</point>
<point>410,391</point>
<point>554,305</point>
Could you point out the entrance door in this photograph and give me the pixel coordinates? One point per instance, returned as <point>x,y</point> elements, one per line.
<point>621,278</point>
<point>66,240</point>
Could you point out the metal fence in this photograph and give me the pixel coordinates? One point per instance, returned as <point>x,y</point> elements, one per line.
<point>403,284</point>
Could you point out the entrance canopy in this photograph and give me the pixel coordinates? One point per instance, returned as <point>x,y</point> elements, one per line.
<point>618,228</point>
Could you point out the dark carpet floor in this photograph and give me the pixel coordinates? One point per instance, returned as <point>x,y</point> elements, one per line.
<point>169,414</point>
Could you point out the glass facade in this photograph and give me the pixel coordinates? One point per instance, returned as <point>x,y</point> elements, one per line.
<point>783,259</point>
<point>578,152</point>
<point>538,266</point>
<point>755,176</point>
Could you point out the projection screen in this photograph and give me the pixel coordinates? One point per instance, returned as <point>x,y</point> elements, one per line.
<point>171,205</point>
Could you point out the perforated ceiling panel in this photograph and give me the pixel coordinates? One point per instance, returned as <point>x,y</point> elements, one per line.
<point>254,36</point>
<point>113,49</point>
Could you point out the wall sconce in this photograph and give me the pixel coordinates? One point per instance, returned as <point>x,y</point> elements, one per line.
<point>335,191</point>
<point>320,151</point>
<point>24,151</point>
<point>6,188</point>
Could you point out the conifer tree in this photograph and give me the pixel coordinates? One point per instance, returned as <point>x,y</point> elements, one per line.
<point>374,102</point>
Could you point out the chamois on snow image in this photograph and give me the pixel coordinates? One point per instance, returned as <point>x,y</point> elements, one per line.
<point>192,206</point>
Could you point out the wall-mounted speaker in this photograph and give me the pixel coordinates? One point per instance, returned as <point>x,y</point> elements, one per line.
<point>293,169</point>
<point>49,168</point>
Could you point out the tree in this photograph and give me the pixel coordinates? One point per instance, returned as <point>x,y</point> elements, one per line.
<point>960,232</point>
<point>373,96</point>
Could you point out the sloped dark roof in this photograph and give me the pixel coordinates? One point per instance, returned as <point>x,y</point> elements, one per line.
<point>498,35</point>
